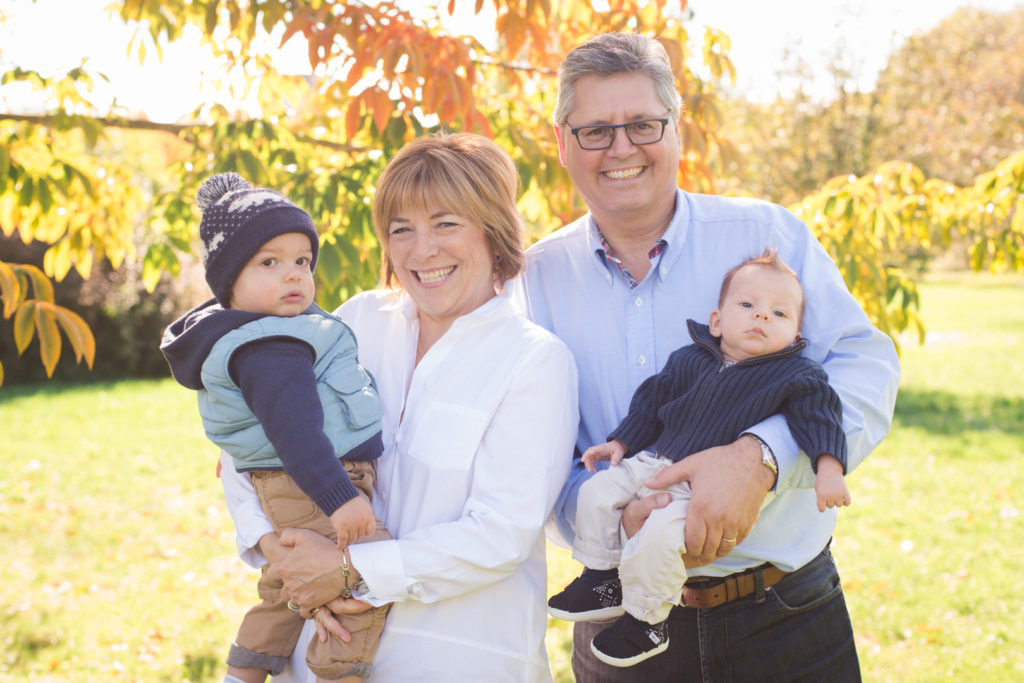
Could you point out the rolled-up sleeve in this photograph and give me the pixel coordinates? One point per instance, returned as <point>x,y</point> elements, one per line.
<point>244,506</point>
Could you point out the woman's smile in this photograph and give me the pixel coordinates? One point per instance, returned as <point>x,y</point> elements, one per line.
<point>435,275</point>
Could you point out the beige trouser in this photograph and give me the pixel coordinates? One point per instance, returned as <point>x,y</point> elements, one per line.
<point>650,563</point>
<point>270,630</point>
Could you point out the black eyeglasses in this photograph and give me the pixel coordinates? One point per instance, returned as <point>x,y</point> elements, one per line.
<point>643,132</point>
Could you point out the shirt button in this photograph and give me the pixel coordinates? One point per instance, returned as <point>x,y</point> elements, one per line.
<point>641,360</point>
<point>639,301</point>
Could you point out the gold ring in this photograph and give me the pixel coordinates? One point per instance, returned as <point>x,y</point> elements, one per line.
<point>728,540</point>
<point>293,607</point>
<point>312,612</point>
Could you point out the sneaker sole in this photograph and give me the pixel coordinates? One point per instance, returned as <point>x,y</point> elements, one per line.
<point>603,613</point>
<point>629,661</point>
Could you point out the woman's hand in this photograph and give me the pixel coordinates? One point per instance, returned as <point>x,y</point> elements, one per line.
<point>312,569</point>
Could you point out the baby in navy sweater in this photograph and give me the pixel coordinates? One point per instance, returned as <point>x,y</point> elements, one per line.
<point>744,366</point>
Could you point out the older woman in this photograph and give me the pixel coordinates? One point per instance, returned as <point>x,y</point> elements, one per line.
<point>480,415</point>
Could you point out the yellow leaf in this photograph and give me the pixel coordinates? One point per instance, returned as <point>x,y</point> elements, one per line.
<point>49,335</point>
<point>23,328</point>
<point>57,259</point>
<point>78,333</point>
<point>41,285</point>
<point>84,263</point>
<point>10,289</point>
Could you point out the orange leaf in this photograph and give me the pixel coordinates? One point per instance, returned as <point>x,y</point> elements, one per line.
<point>448,110</point>
<point>381,109</point>
<point>353,117</point>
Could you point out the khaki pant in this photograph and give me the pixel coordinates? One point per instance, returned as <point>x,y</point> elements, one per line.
<point>270,630</point>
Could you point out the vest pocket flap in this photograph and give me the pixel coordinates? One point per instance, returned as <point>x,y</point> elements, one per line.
<point>360,403</point>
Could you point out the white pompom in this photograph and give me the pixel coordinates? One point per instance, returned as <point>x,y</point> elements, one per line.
<point>216,186</point>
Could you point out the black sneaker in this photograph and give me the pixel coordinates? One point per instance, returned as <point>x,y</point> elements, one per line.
<point>585,599</point>
<point>630,641</point>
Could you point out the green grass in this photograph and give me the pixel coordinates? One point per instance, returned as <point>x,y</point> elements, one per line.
<point>120,561</point>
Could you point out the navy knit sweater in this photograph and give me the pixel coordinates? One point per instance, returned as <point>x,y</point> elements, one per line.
<point>697,402</point>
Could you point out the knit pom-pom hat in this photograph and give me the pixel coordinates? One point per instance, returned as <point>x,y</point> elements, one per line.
<point>238,219</point>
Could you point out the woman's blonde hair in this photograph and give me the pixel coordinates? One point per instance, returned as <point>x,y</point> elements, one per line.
<point>464,173</point>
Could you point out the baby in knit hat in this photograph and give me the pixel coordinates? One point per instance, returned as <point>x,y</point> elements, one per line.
<point>743,367</point>
<point>282,393</point>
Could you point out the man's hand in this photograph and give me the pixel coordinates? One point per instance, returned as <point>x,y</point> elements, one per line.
<point>352,521</point>
<point>728,485</point>
<point>612,450</point>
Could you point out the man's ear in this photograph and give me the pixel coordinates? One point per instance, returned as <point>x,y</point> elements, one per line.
<point>715,323</point>
<point>561,143</point>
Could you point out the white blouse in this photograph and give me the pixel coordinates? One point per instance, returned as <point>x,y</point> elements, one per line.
<point>469,475</point>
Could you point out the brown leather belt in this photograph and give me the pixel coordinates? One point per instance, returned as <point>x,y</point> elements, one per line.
<point>707,593</point>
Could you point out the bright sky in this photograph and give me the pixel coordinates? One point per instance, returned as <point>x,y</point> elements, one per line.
<point>866,31</point>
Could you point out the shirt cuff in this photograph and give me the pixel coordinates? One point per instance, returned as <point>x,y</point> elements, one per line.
<point>775,432</point>
<point>380,565</point>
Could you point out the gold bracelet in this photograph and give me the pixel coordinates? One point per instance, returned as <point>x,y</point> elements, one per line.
<point>345,566</point>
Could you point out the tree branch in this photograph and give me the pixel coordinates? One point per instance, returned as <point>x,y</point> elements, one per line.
<point>50,120</point>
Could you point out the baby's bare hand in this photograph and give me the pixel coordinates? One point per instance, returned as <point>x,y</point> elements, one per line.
<point>610,450</point>
<point>353,520</point>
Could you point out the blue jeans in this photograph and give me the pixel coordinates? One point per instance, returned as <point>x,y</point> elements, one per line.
<point>799,630</point>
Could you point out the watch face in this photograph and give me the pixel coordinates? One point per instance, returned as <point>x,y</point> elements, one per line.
<point>768,458</point>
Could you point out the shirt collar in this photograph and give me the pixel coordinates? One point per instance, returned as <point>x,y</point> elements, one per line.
<point>673,237</point>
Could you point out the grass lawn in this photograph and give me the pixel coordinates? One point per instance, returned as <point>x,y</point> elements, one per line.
<point>120,561</point>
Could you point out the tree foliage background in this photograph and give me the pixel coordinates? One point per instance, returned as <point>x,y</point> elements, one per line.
<point>100,202</point>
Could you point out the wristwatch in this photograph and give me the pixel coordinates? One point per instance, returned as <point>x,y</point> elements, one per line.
<point>767,457</point>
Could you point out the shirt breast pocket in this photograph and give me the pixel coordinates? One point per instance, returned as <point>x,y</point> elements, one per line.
<point>448,435</point>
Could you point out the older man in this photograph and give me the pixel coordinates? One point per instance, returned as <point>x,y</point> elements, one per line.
<point>764,601</point>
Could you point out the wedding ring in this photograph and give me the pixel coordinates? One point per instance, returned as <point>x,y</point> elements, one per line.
<point>312,612</point>
<point>293,607</point>
<point>728,540</point>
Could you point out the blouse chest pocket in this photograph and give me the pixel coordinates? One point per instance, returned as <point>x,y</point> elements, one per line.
<point>448,435</point>
<point>353,387</point>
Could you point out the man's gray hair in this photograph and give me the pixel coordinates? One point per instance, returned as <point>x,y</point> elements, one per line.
<point>610,54</point>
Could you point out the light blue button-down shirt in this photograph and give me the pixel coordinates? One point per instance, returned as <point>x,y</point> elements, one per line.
<point>620,336</point>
